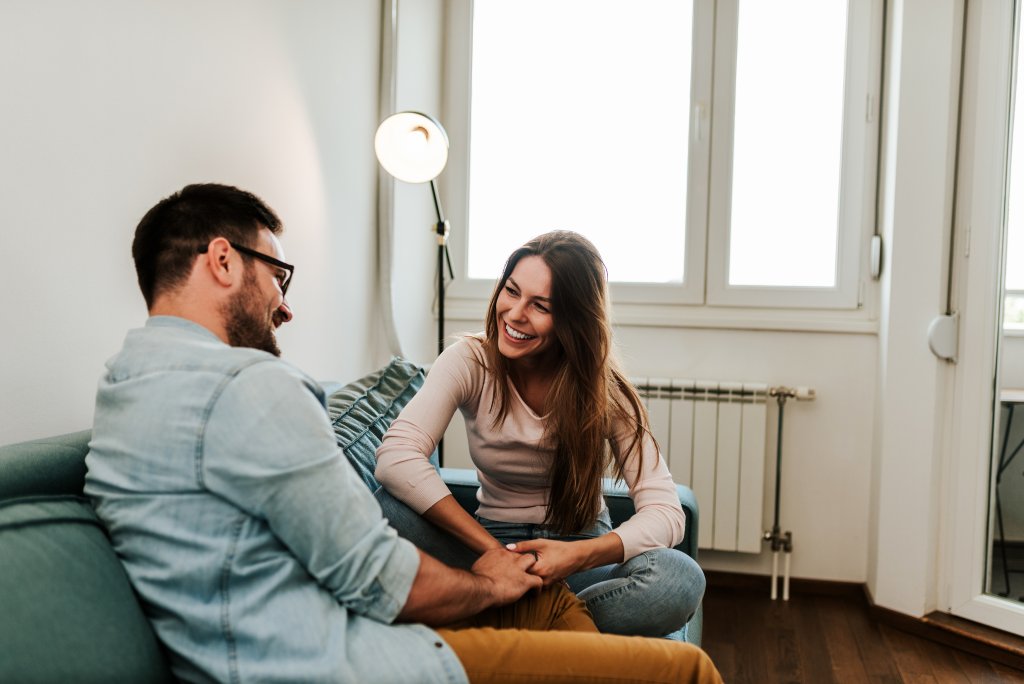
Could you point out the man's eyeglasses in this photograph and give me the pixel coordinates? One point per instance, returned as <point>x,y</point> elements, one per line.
<point>284,276</point>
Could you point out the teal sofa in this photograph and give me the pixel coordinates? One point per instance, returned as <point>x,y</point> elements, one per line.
<point>67,610</point>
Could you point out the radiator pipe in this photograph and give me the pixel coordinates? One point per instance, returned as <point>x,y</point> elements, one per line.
<point>781,541</point>
<point>775,575</point>
<point>785,574</point>
<point>780,399</point>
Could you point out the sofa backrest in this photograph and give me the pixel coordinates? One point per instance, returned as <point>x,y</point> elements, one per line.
<point>68,610</point>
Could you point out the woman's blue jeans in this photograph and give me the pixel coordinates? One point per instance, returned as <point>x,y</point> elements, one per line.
<point>652,594</point>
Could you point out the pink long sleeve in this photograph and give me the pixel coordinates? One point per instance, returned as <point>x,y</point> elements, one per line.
<point>512,466</point>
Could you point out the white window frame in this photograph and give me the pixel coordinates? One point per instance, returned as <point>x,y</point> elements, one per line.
<point>705,287</point>
<point>858,167</point>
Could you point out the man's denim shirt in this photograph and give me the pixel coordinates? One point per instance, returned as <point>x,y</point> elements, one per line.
<point>258,553</point>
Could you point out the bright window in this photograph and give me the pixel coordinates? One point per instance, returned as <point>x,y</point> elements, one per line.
<point>787,143</point>
<point>573,129</point>
<point>1014,310</point>
<point>717,152</point>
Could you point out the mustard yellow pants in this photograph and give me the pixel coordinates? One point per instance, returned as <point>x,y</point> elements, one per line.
<point>549,636</point>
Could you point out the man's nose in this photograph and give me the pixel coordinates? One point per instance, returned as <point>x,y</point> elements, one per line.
<point>283,314</point>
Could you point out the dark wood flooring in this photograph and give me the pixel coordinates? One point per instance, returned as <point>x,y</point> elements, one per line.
<point>821,636</point>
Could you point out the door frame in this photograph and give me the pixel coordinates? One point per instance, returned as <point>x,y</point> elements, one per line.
<point>977,270</point>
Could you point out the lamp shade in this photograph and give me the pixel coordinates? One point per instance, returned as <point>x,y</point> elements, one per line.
<point>411,146</point>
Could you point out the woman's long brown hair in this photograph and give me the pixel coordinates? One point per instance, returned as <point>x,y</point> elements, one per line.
<point>589,391</point>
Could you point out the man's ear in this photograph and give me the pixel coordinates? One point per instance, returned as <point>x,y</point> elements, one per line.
<point>217,261</point>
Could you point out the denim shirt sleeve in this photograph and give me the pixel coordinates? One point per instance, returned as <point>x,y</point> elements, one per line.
<point>269,449</point>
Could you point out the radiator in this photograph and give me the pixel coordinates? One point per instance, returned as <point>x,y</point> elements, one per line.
<point>712,434</point>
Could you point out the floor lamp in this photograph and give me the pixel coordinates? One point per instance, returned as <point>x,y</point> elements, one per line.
<point>413,147</point>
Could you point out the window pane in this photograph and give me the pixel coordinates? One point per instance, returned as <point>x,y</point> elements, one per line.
<point>580,121</point>
<point>787,143</point>
<point>1015,206</point>
<point>1014,318</point>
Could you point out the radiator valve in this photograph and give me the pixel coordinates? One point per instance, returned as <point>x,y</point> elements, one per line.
<point>799,393</point>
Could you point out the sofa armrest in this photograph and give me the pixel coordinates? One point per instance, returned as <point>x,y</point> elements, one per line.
<point>43,467</point>
<point>621,508</point>
<point>463,483</point>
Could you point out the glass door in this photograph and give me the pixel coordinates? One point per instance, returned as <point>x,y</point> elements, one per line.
<point>986,470</point>
<point>1006,558</point>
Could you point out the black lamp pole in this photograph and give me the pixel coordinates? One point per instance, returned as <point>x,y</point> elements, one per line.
<point>442,228</point>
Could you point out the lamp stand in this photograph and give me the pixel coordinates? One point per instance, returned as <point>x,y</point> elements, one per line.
<point>442,228</point>
<point>413,147</point>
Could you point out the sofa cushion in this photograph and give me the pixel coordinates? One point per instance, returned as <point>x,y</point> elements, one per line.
<point>362,411</point>
<point>69,613</point>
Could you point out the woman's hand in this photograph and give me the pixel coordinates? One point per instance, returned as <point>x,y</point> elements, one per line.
<point>556,560</point>
<point>509,574</point>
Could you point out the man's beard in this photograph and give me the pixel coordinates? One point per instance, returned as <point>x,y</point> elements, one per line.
<point>244,325</point>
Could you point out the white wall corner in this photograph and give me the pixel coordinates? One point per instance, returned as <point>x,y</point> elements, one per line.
<point>918,167</point>
<point>419,72</point>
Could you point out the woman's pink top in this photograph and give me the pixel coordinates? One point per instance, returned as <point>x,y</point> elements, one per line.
<point>511,464</point>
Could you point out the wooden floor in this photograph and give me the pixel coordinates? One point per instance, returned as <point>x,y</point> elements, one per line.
<point>824,637</point>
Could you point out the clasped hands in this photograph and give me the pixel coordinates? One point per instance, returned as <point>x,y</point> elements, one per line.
<point>530,564</point>
<point>544,562</point>
<point>554,560</point>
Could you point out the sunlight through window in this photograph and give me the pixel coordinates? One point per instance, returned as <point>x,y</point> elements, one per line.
<point>1014,311</point>
<point>589,135</point>
<point>787,143</point>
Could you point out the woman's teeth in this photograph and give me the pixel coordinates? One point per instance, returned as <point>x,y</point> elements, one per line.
<point>515,334</point>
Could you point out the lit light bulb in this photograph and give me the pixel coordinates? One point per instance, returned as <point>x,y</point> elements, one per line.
<point>415,145</point>
<point>412,147</point>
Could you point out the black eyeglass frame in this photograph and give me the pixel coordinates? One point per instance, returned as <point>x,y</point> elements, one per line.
<point>288,268</point>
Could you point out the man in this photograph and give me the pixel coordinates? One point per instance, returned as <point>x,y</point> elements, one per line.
<point>258,553</point>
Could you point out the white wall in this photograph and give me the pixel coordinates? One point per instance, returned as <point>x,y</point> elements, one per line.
<point>418,87</point>
<point>110,106</point>
<point>825,468</point>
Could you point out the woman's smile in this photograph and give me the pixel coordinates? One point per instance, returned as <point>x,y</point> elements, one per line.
<point>517,334</point>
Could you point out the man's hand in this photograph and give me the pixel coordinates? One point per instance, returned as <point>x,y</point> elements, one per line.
<point>441,595</point>
<point>508,572</point>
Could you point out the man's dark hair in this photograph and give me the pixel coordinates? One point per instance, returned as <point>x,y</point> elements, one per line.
<point>169,236</point>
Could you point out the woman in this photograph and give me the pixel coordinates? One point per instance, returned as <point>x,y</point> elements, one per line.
<point>547,411</point>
